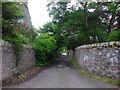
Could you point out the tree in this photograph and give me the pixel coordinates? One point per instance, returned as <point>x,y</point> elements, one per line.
<point>11,13</point>
<point>83,22</point>
<point>112,14</point>
<point>57,10</point>
<point>48,27</point>
<point>45,47</point>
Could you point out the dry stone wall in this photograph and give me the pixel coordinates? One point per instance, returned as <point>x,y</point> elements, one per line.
<point>9,59</point>
<point>102,59</point>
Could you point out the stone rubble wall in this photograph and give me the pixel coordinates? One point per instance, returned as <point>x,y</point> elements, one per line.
<point>101,59</point>
<point>9,59</point>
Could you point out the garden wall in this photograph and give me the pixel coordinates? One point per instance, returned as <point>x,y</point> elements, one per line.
<point>9,59</point>
<point>102,59</point>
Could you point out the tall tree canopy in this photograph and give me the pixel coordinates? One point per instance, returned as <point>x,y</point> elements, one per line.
<point>12,11</point>
<point>82,22</point>
<point>11,14</point>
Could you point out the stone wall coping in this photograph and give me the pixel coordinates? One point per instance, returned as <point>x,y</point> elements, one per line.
<point>8,44</point>
<point>98,44</point>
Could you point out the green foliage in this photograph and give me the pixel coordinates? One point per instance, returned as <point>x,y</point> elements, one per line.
<point>61,50</point>
<point>48,27</point>
<point>71,42</point>
<point>57,10</point>
<point>18,71</point>
<point>20,29</point>
<point>19,35</point>
<point>18,41</point>
<point>13,31</point>
<point>21,77</point>
<point>114,36</point>
<point>11,14</point>
<point>45,49</point>
<point>12,11</point>
<point>82,22</point>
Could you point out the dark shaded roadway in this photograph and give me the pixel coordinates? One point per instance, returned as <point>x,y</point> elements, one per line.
<point>62,75</point>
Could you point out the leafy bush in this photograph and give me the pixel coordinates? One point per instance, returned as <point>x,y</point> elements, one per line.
<point>18,28</point>
<point>18,40</point>
<point>97,35</point>
<point>45,47</point>
<point>11,14</point>
<point>114,36</point>
<point>61,50</point>
<point>12,30</point>
<point>21,77</point>
<point>17,35</point>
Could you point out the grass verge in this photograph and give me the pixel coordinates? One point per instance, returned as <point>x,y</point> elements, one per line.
<point>108,80</point>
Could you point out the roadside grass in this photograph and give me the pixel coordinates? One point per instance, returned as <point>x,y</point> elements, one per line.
<point>21,77</point>
<point>107,80</point>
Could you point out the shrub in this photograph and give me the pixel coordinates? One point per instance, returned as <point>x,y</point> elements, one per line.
<point>16,35</point>
<point>61,50</point>
<point>20,29</point>
<point>18,40</point>
<point>45,48</point>
<point>114,36</point>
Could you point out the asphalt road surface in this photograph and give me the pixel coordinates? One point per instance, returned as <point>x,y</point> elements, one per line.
<point>62,75</point>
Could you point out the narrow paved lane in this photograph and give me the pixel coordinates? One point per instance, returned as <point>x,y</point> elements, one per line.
<point>62,75</point>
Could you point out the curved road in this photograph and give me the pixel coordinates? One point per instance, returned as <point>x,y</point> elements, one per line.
<point>62,75</point>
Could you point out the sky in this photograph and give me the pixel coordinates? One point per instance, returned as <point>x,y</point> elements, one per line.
<point>38,12</point>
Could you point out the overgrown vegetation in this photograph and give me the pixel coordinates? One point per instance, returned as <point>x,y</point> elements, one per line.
<point>83,23</point>
<point>114,36</point>
<point>21,77</point>
<point>11,12</point>
<point>13,30</point>
<point>16,32</point>
<point>45,47</point>
<point>72,25</point>
<point>61,50</point>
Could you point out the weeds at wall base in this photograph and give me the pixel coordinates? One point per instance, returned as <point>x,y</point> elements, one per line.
<point>107,80</point>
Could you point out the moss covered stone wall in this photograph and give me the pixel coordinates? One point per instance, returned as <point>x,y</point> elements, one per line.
<point>102,59</point>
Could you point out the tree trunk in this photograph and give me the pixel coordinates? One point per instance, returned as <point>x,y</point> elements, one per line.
<point>85,14</point>
<point>94,39</point>
<point>118,25</point>
<point>112,20</point>
<point>85,9</point>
